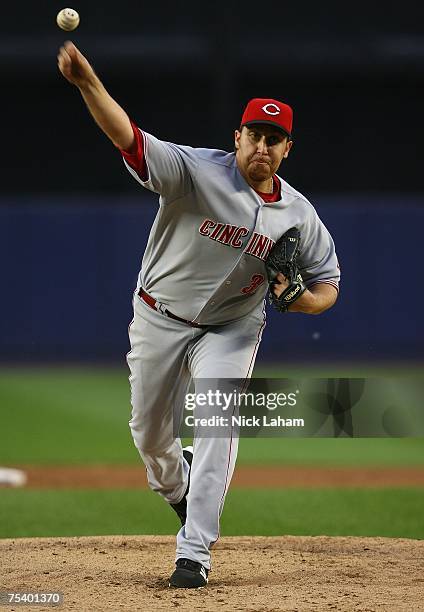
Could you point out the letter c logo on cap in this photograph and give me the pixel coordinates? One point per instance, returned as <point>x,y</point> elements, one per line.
<point>275,111</point>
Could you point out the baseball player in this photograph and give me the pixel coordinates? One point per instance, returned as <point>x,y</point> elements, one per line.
<point>199,302</point>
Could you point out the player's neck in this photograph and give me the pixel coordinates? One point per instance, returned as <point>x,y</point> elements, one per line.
<point>263,186</point>
<point>266,186</point>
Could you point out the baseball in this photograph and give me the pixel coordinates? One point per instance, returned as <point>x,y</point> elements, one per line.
<point>67,19</point>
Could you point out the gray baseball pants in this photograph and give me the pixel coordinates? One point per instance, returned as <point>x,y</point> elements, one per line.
<point>165,357</point>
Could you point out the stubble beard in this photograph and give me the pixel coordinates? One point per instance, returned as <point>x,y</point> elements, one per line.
<point>259,172</point>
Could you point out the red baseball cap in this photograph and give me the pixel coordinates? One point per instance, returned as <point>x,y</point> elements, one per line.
<point>272,112</point>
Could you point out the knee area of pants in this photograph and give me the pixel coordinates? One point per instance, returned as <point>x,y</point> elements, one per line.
<point>150,449</point>
<point>147,449</point>
<point>147,442</point>
<point>144,441</point>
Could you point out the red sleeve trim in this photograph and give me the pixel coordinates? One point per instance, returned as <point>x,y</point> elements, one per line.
<point>135,156</point>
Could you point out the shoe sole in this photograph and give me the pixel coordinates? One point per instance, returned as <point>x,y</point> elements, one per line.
<point>173,586</point>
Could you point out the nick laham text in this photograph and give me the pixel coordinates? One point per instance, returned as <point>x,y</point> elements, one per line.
<point>242,421</point>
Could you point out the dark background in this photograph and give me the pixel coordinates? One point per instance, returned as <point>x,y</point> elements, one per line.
<point>74,224</point>
<point>184,71</point>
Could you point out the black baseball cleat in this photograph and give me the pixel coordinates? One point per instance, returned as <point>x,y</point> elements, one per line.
<point>189,574</point>
<point>181,507</point>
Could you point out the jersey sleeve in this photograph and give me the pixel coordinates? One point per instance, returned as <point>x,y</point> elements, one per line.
<point>162,167</point>
<point>134,158</point>
<point>318,261</point>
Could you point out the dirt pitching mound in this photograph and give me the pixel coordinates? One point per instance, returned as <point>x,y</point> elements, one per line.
<point>253,574</point>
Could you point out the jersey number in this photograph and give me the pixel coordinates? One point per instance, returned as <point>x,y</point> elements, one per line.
<point>255,281</point>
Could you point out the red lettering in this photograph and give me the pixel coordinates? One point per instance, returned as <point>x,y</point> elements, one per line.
<point>236,242</point>
<point>206,226</point>
<point>227,233</point>
<point>252,242</point>
<point>268,248</point>
<point>260,246</point>
<point>216,231</point>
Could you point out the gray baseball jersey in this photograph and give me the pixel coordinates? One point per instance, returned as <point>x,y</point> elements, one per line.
<point>204,262</point>
<point>205,255</point>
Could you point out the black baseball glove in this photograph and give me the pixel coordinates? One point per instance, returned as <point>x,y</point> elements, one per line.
<point>282,258</point>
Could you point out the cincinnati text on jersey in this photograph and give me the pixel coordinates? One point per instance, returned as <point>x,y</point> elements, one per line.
<point>258,246</point>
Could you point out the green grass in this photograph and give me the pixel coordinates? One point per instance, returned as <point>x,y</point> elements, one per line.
<point>335,512</point>
<point>65,416</point>
<point>379,512</point>
<point>366,370</point>
<point>80,416</point>
<point>330,452</point>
